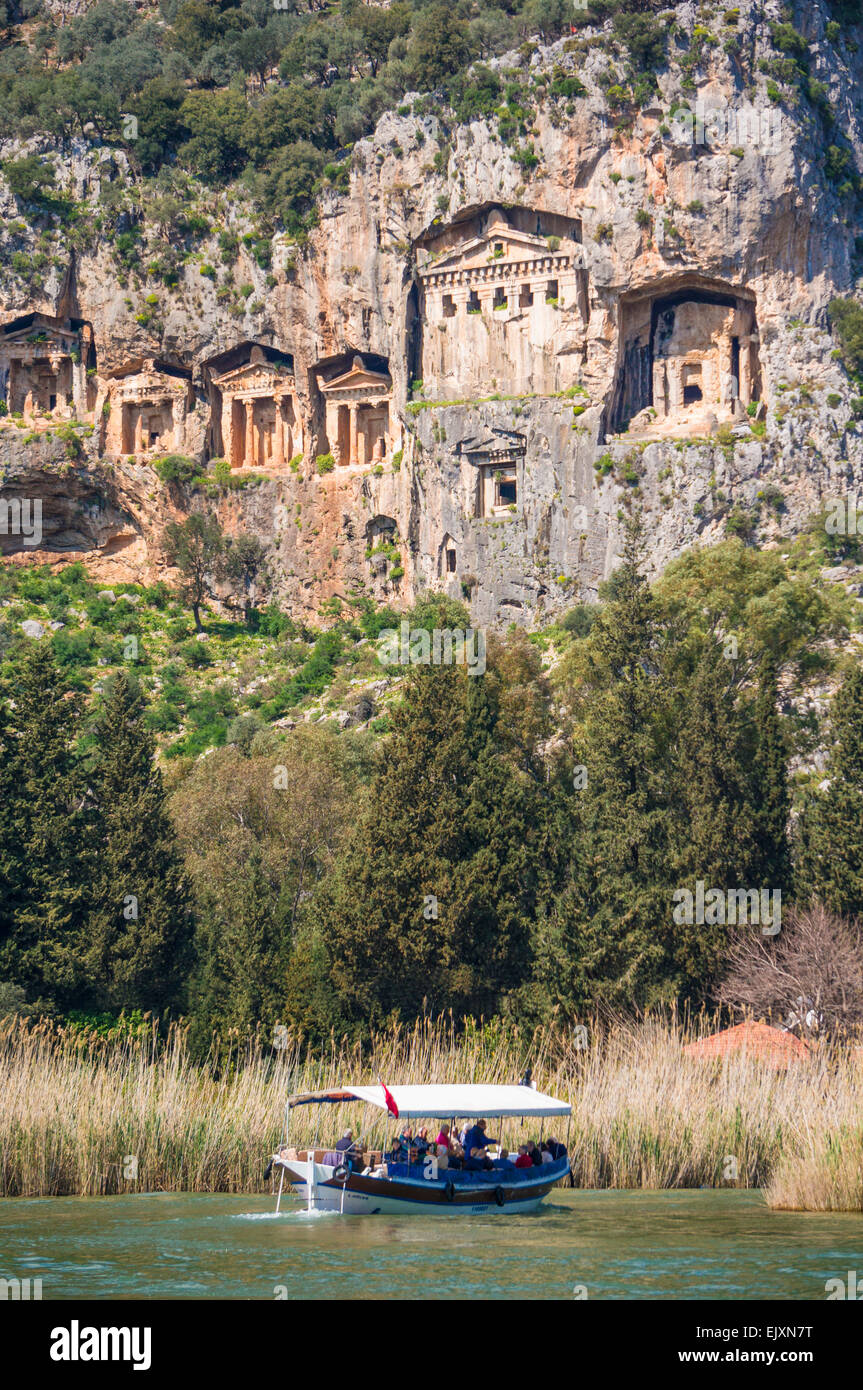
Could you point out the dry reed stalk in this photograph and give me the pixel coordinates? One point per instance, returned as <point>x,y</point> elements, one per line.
<point>74,1107</point>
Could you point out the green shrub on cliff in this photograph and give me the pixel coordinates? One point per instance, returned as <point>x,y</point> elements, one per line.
<point>177,468</point>
<point>786,38</point>
<point>847,318</point>
<point>644,36</point>
<point>31,179</point>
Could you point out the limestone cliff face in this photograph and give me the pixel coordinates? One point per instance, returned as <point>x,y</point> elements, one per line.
<point>534,346</point>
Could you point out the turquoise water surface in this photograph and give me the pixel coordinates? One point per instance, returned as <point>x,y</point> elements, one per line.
<point>602,1245</point>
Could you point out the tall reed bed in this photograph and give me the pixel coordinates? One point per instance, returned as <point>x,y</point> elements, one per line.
<point>79,1114</point>
<point>822,1171</point>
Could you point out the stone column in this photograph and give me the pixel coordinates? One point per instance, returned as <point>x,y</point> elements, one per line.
<point>79,389</point>
<point>723,363</point>
<point>178,417</point>
<point>279,436</point>
<point>118,425</point>
<point>675,385</point>
<point>659,388</point>
<point>353,453</point>
<point>227,430</point>
<point>249,450</point>
<point>139,432</point>
<point>745,383</point>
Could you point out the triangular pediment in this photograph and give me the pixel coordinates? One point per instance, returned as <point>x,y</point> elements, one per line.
<point>40,329</point>
<point>357,378</point>
<point>254,374</point>
<point>480,250</point>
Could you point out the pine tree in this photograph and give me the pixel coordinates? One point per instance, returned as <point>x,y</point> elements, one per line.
<point>244,955</point>
<point>829,865</point>
<point>431,904</point>
<point>608,933</point>
<point>44,832</point>
<point>770,794</point>
<point>716,819</point>
<point>139,933</point>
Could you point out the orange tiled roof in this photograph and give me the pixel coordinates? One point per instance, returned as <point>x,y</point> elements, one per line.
<point>759,1039</point>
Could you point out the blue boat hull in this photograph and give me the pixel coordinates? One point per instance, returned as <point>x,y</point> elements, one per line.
<point>406,1191</point>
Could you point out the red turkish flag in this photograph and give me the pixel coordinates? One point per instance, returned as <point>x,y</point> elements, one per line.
<point>391,1105</point>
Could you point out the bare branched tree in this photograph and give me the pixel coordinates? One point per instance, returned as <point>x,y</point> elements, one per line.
<point>809,978</point>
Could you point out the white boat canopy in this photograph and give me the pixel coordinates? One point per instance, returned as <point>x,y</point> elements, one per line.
<point>440,1102</point>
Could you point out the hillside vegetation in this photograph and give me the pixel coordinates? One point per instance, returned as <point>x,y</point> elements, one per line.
<point>206,94</point>
<point>334,843</point>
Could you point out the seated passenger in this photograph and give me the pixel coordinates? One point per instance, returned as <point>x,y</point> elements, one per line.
<point>556,1150</point>
<point>443,1138</point>
<point>476,1138</point>
<point>545,1153</point>
<point>403,1145</point>
<point>422,1143</point>
<point>347,1147</point>
<point>456,1154</point>
<point>478,1161</point>
<point>533,1151</point>
<point>523,1160</point>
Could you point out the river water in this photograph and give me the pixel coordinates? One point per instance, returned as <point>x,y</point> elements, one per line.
<point>599,1245</point>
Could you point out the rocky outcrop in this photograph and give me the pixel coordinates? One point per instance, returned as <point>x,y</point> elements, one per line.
<point>501,495</point>
<point>70,509</point>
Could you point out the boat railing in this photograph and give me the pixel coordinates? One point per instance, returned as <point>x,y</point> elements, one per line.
<point>331,1157</point>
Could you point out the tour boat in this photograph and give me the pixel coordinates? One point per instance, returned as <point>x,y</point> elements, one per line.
<point>375,1184</point>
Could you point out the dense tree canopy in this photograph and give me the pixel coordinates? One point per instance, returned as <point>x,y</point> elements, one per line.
<point>138,941</point>
<point>45,847</point>
<point>509,841</point>
<point>433,900</point>
<point>199,78</point>
<point>830,859</point>
<point>230,87</point>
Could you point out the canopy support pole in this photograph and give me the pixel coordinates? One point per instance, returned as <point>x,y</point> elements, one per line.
<point>568,1154</point>
<point>312,1171</point>
<point>282,1166</point>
